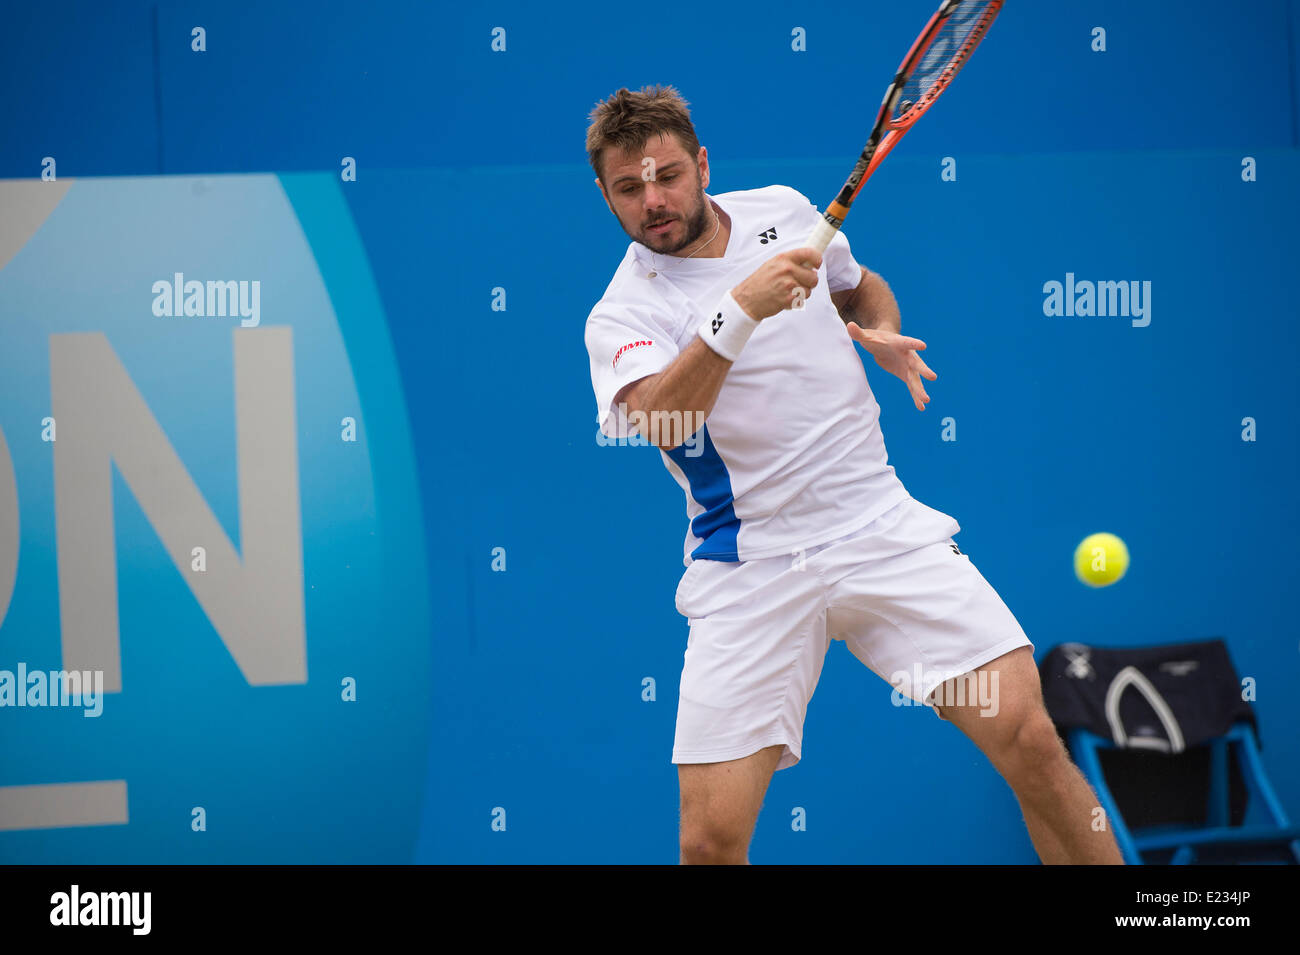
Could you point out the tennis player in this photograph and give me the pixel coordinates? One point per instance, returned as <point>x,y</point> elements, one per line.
<point>730,348</point>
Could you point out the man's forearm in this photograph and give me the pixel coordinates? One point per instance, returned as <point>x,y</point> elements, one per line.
<point>881,307</point>
<point>872,305</point>
<point>685,391</point>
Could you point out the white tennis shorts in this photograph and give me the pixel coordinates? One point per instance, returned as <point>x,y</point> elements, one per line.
<point>899,592</point>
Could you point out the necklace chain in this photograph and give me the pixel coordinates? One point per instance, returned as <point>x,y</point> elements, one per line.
<point>716,229</point>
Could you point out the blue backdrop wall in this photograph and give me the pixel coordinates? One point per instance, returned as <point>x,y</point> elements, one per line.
<point>482,693</point>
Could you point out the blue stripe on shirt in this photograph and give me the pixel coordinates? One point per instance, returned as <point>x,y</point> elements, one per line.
<point>710,485</point>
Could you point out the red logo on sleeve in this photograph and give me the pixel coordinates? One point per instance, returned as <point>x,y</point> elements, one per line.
<point>626,348</point>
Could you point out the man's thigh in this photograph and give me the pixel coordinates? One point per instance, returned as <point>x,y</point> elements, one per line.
<point>994,702</point>
<point>721,802</point>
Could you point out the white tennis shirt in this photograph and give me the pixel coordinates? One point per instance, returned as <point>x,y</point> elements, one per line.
<point>791,456</point>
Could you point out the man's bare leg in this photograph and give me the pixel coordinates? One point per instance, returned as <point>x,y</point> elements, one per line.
<point>1061,810</point>
<point>720,804</point>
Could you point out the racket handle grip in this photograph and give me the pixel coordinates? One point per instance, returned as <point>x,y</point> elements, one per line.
<point>821,236</point>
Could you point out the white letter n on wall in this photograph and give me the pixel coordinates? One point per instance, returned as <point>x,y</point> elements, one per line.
<point>255,603</point>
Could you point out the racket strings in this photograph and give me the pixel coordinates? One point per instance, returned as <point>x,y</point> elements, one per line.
<point>957,36</point>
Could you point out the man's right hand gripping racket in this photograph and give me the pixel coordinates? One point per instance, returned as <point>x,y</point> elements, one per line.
<point>938,54</point>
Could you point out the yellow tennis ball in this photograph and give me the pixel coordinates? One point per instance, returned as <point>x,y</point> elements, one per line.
<point>1100,560</point>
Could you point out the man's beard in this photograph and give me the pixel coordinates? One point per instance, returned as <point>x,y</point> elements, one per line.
<point>695,227</point>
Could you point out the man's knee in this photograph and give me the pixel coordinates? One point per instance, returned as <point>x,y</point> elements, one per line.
<point>1037,754</point>
<point>713,832</point>
<point>713,844</point>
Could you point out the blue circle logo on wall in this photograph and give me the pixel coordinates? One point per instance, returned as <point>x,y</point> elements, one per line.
<point>214,610</point>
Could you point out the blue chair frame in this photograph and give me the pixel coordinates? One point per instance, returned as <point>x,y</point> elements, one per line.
<point>1186,841</point>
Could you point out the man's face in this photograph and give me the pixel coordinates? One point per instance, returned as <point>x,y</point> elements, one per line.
<point>657,193</point>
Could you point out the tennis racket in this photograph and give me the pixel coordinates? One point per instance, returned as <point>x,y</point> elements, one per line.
<point>938,54</point>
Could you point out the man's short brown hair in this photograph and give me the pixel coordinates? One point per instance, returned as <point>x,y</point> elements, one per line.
<point>627,120</point>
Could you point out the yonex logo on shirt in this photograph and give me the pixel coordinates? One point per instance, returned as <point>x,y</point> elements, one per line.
<point>630,345</point>
<point>766,235</point>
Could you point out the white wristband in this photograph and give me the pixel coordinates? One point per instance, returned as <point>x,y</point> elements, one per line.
<point>727,328</point>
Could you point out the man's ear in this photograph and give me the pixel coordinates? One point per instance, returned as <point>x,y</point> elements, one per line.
<point>702,160</point>
<point>603,194</point>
